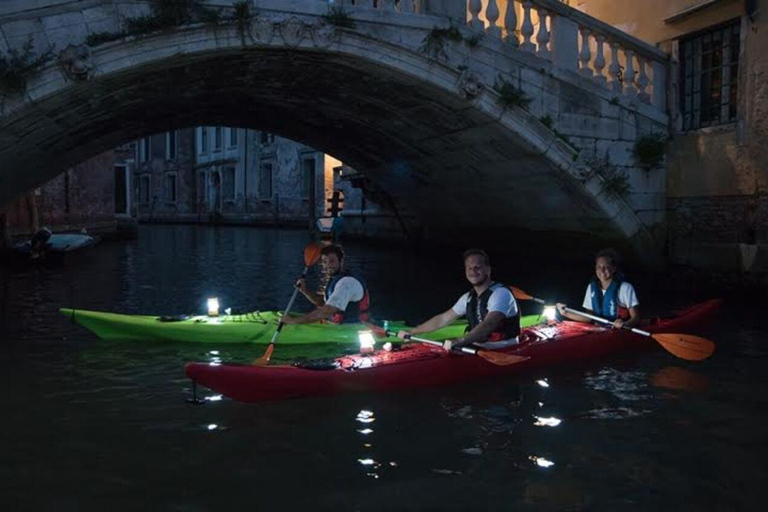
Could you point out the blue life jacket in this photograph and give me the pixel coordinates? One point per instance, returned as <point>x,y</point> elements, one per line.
<point>356,311</point>
<point>607,305</point>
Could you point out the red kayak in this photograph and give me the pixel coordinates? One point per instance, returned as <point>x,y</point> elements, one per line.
<point>416,365</point>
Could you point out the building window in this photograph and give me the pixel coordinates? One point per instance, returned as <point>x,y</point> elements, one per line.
<point>265,180</point>
<point>267,139</point>
<point>233,137</point>
<point>217,138</point>
<point>144,188</point>
<point>307,176</point>
<point>709,77</point>
<point>228,184</point>
<point>170,188</point>
<point>145,149</point>
<point>170,145</point>
<point>203,140</point>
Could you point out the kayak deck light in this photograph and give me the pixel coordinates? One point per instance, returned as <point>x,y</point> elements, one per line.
<point>549,312</point>
<point>213,306</point>
<point>366,341</point>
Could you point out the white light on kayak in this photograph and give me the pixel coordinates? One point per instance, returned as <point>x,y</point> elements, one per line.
<point>214,398</point>
<point>541,461</point>
<point>366,431</point>
<point>366,341</point>
<point>213,426</point>
<point>213,306</point>
<point>547,422</point>
<point>550,312</point>
<point>366,462</point>
<point>542,383</point>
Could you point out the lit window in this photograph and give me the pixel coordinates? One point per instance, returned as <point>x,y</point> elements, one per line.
<point>709,77</point>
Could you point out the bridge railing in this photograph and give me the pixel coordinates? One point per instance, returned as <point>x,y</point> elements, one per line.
<point>576,41</point>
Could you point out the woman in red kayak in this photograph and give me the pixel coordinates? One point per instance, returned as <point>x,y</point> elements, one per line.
<point>608,295</point>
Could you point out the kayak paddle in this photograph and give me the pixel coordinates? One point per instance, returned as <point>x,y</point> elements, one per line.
<point>684,346</point>
<point>494,357</point>
<point>311,255</point>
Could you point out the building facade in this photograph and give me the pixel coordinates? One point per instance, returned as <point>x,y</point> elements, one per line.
<point>94,195</point>
<point>717,155</point>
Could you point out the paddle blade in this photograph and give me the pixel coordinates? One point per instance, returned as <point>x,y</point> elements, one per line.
<point>311,254</point>
<point>499,358</point>
<point>686,346</point>
<point>264,360</point>
<point>520,294</point>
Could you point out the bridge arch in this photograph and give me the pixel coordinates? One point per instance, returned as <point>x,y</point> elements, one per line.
<point>427,128</point>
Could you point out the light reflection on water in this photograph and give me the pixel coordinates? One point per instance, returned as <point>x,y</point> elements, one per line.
<point>620,434</point>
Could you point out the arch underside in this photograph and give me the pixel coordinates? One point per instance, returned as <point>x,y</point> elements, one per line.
<point>434,152</point>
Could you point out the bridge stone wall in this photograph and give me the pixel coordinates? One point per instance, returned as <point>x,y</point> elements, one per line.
<point>426,123</point>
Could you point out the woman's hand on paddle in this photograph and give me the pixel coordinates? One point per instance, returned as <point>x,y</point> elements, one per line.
<point>618,323</point>
<point>403,335</point>
<point>561,308</point>
<point>448,345</point>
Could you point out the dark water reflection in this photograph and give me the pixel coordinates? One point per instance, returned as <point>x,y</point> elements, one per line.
<point>88,424</point>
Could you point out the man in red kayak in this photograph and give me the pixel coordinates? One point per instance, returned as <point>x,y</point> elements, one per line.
<point>492,314</point>
<point>346,299</point>
<point>608,295</point>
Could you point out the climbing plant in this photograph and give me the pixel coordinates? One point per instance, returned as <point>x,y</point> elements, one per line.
<point>338,17</point>
<point>649,150</point>
<point>509,95</point>
<point>18,65</point>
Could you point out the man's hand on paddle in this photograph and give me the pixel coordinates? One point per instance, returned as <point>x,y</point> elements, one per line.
<point>301,284</point>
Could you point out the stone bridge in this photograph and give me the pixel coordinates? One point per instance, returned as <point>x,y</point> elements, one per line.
<point>481,115</point>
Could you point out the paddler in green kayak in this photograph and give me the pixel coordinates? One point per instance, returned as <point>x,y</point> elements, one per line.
<point>608,294</point>
<point>493,316</point>
<point>346,299</point>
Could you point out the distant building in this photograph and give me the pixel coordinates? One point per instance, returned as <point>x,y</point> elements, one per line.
<point>236,175</point>
<point>93,195</point>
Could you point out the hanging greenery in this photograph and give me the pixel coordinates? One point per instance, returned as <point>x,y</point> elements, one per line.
<point>649,150</point>
<point>18,65</point>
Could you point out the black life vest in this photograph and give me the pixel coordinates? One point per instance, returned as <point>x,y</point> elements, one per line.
<point>355,312</point>
<point>477,310</point>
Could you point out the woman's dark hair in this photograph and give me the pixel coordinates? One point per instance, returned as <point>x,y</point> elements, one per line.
<point>611,254</point>
<point>476,252</point>
<point>333,249</point>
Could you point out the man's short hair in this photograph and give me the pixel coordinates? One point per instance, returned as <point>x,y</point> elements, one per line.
<point>333,249</point>
<point>476,252</point>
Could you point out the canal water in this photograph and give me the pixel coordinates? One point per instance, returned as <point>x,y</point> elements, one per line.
<point>88,424</point>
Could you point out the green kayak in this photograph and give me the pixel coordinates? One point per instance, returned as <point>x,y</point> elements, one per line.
<point>256,327</point>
